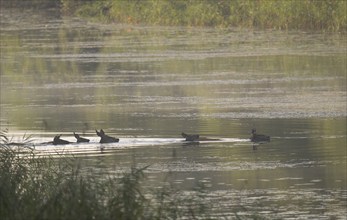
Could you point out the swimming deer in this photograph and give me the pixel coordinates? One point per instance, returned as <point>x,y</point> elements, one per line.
<point>105,138</point>
<point>80,139</point>
<point>259,137</point>
<point>58,141</point>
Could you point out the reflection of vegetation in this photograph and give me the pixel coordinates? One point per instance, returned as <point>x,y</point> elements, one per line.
<point>94,75</point>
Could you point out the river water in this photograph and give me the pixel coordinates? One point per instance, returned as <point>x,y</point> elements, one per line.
<point>146,85</point>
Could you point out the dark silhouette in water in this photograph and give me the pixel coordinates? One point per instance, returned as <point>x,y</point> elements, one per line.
<point>105,138</point>
<point>80,139</point>
<point>58,141</point>
<point>259,137</point>
<point>196,137</point>
<point>190,137</point>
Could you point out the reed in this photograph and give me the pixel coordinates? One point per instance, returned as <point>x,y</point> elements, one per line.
<point>260,14</point>
<point>33,187</point>
<point>313,15</point>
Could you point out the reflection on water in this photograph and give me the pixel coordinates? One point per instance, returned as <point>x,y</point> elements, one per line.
<point>145,85</point>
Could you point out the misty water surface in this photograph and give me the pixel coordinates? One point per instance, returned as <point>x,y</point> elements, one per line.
<point>145,85</point>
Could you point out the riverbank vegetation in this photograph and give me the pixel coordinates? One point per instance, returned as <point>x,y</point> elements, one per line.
<point>258,14</point>
<point>264,14</point>
<point>36,187</point>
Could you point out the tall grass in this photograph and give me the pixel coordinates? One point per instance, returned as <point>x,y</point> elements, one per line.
<point>323,15</point>
<point>33,187</point>
<point>264,14</point>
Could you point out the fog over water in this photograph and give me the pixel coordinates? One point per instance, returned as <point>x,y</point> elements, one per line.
<point>146,85</point>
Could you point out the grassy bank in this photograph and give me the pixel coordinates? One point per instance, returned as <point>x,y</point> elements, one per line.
<point>260,14</point>
<point>321,15</point>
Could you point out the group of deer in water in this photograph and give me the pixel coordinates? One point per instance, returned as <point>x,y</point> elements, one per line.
<point>104,138</point>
